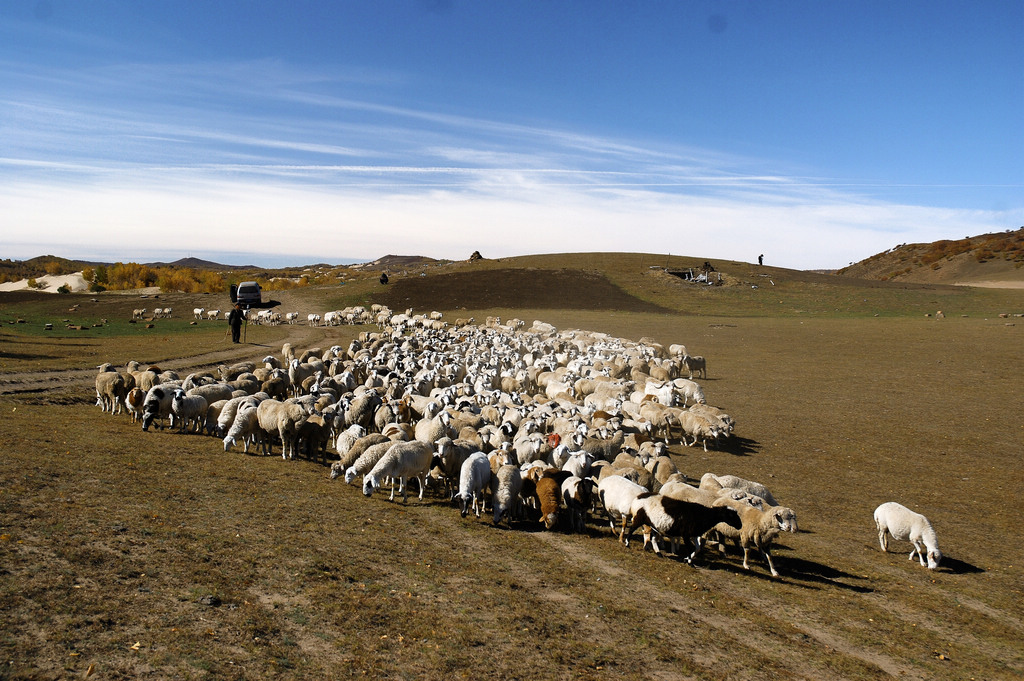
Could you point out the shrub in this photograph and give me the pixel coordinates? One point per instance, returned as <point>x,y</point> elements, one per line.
<point>63,288</point>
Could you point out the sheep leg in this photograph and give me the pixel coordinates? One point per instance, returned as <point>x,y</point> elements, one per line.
<point>882,540</point>
<point>768,556</point>
<point>746,551</point>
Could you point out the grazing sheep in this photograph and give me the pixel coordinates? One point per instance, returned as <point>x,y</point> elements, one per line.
<point>671,517</point>
<point>348,458</point>
<point>157,405</point>
<point>548,493</point>
<point>212,392</point>
<point>244,428</point>
<point>712,482</point>
<point>402,461</point>
<point>474,478</point>
<point>347,438</point>
<point>367,460</point>
<point>758,529</point>
<point>906,525</point>
<point>505,498</point>
<point>190,410</point>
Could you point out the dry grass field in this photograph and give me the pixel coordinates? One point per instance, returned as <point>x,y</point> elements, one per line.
<point>129,555</point>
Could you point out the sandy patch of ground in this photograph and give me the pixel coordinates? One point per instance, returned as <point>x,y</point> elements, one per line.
<point>992,284</point>
<point>49,283</point>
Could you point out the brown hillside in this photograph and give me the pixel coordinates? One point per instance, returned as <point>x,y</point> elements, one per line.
<point>512,288</point>
<point>988,259</point>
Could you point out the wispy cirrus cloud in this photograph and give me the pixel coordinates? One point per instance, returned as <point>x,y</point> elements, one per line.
<point>193,157</point>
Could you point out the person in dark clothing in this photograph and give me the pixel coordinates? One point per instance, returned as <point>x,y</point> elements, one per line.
<point>760,259</point>
<point>235,319</point>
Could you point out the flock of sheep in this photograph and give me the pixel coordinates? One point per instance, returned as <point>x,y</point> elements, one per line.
<point>533,424</point>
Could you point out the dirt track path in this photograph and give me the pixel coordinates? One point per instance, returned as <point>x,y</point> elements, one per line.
<point>83,379</point>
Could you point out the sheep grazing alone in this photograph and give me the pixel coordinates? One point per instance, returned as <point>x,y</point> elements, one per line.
<point>402,461</point>
<point>906,525</point>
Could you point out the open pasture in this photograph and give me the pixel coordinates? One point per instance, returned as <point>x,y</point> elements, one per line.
<point>158,555</point>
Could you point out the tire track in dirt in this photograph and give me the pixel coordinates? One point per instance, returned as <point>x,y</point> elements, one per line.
<point>728,627</point>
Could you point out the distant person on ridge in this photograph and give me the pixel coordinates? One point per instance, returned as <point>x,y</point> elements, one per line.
<point>235,319</point>
<point>760,259</point>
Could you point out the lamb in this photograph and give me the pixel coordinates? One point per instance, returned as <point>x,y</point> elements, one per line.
<point>213,314</point>
<point>228,412</point>
<point>712,482</point>
<point>696,364</point>
<point>134,401</point>
<point>474,478</point>
<point>758,529</point>
<point>508,487</point>
<point>190,409</point>
<point>671,518</point>
<point>904,524</point>
<point>402,461</point>
<point>367,460</point>
<point>198,312</point>
<point>617,495</point>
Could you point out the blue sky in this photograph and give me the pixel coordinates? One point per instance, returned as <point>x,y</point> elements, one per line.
<point>817,133</point>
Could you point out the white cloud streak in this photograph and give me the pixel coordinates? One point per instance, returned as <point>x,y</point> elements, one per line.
<point>180,174</point>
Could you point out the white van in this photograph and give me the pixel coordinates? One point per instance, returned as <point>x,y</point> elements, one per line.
<point>249,293</point>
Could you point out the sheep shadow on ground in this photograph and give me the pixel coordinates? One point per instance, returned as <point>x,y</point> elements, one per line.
<point>739,446</point>
<point>809,571</point>
<point>958,567</point>
<point>24,355</point>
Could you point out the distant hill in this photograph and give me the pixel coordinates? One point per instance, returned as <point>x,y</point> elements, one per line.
<point>200,264</point>
<point>394,262</point>
<point>987,259</point>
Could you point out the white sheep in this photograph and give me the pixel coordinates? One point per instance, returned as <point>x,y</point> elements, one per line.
<point>474,478</point>
<point>712,482</point>
<point>198,312</point>
<point>368,459</point>
<point>190,409</point>
<point>617,495</point>
<point>244,428</point>
<point>213,314</point>
<point>906,525</point>
<point>505,498</point>
<point>402,461</point>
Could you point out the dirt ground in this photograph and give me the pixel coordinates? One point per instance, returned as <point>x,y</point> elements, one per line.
<point>126,554</point>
